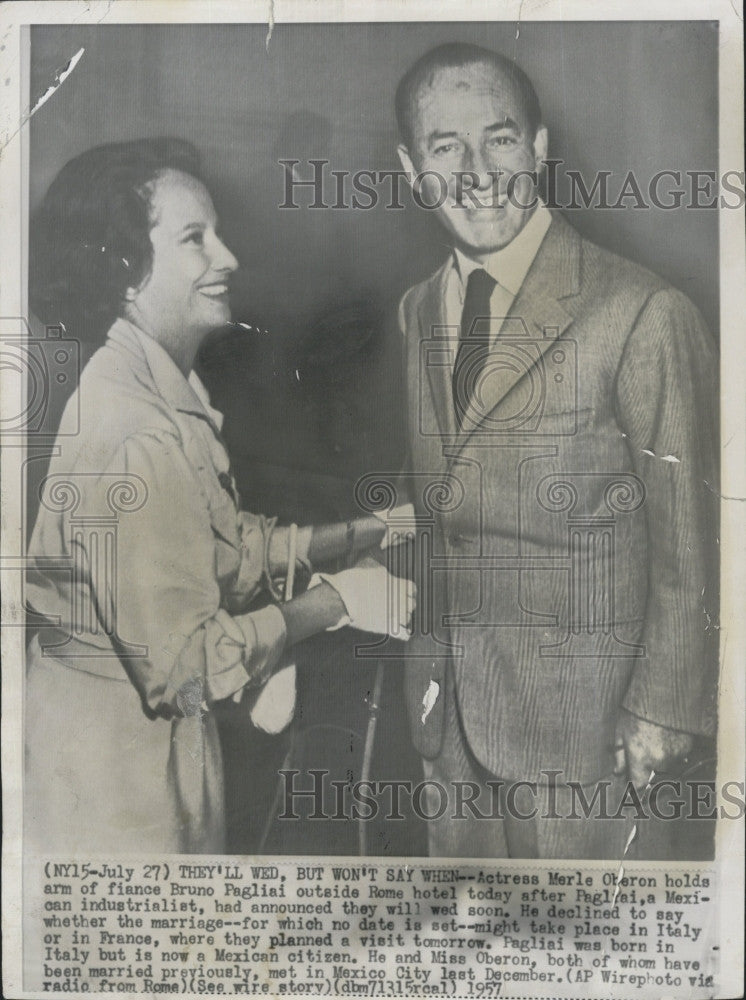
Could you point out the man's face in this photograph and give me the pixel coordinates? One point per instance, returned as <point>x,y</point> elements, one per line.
<point>473,120</point>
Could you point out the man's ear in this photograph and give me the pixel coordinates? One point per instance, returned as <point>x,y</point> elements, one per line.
<point>406,161</point>
<point>541,146</point>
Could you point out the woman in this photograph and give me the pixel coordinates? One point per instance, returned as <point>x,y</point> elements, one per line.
<point>142,559</point>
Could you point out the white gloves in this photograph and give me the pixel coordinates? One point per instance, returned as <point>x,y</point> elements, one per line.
<point>375,600</point>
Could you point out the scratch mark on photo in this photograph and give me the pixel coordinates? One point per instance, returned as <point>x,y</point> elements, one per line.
<point>59,79</point>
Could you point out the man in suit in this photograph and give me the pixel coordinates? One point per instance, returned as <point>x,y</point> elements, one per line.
<point>564,400</point>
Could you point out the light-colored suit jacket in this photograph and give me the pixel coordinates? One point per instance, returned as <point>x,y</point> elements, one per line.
<point>567,554</point>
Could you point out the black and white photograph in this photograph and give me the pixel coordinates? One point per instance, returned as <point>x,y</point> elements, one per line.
<point>370,474</point>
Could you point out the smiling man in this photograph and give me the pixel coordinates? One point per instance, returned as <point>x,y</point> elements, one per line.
<point>475,126</point>
<point>566,400</point>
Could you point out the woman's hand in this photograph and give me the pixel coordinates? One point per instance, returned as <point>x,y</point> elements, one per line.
<point>375,600</point>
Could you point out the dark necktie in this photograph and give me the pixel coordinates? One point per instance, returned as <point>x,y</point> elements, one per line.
<point>473,346</point>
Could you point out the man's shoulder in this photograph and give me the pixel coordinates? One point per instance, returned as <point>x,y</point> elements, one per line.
<point>618,289</point>
<point>613,270</point>
<point>430,288</point>
<point>630,308</point>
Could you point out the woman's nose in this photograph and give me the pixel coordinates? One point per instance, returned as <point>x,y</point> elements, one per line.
<point>222,258</point>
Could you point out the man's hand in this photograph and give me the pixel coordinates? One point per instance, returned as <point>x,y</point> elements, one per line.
<point>642,747</point>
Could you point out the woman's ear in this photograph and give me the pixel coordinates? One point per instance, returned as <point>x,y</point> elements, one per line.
<point>406,161</point>
<point>132,291</point>
<point>128,302</point>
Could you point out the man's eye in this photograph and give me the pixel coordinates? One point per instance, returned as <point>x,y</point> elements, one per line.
<point>196,237</point>
<point>502,140</point>
<point>445,148</point>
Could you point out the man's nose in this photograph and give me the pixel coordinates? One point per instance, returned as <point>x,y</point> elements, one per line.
<point>483,168</point>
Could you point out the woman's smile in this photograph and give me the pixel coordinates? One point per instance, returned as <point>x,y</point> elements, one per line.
<point>217,290</point>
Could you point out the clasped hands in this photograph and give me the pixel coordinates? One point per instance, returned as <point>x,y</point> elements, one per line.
<point>376,600</point>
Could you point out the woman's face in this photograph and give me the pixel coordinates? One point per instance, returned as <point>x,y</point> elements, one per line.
<point>186,293</point>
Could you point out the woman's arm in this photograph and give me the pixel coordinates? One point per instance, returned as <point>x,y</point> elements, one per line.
<point>315,611</point>
<point>371,599</point>
<point>194,650</point>
<point>323,543</point>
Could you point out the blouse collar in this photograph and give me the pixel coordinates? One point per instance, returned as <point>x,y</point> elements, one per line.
<point>186,395</point>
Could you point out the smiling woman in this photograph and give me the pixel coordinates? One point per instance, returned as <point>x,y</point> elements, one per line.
<point>130,229</point>
<point>142,563</point>
<point>186,293</point>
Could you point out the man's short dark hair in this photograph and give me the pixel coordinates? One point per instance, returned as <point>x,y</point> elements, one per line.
<point>90,237</point>
<point>456,55</point>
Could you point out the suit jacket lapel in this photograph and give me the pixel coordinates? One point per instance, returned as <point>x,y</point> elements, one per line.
<point>537,315</point>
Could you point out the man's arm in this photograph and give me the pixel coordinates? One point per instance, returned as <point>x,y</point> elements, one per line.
<point>666,396</point>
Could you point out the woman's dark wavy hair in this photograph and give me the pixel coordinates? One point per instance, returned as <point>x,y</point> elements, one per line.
<point>90,237</point>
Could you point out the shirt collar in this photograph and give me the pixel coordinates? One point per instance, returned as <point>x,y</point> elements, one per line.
<point>187,395</point>
<point>510,265</point>
<point>204,397</point>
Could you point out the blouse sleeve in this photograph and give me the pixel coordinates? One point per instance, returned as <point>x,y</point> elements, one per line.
<point>167,594</point>
<point>265,549</point>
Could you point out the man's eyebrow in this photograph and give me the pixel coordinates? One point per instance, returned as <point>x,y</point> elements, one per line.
<point>192,225</point>
<point>507,122</point>
<point>436,135</point>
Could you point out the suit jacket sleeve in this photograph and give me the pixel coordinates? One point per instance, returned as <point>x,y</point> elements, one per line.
<point>666,398</point>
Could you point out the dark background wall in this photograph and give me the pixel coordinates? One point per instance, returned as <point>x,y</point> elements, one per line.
<point>314,402</point>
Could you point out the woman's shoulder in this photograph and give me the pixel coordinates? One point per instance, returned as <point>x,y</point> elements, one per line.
<point>112,404</point>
